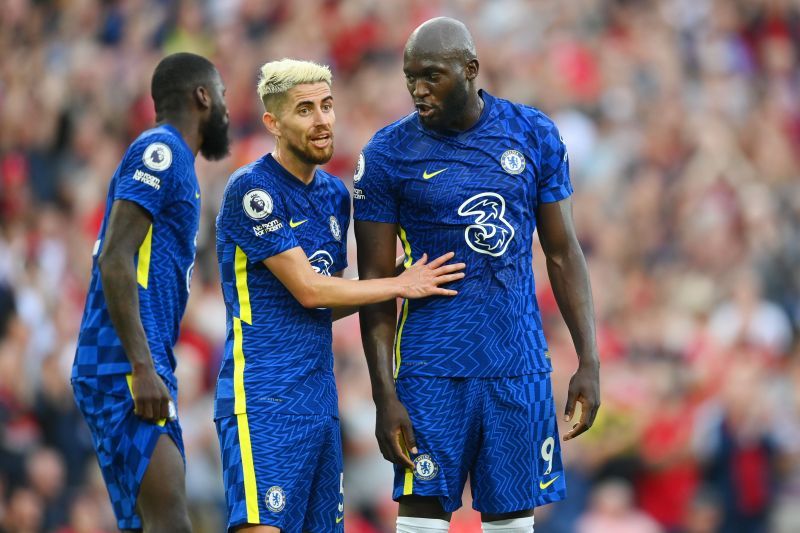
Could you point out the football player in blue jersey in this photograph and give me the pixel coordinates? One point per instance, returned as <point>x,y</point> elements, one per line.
<point>462,385</point>
<point>282,248</point>
<point>123,374</point>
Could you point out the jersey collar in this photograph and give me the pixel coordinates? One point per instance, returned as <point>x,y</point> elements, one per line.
<point>287,176</point>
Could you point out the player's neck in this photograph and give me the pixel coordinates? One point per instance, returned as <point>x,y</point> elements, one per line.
<point>187,127</point>
<point>472,112</point>
<point>299,169</point>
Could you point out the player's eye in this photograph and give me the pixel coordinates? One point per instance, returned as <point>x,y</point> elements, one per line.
<point>409,79</point>
<point>434,76</point>
<point>304,111</point>
<point>327,107</point>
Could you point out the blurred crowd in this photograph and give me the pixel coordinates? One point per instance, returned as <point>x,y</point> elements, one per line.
<point>682,118</point>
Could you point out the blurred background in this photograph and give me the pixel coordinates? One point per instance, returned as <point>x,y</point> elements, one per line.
<point>682,119</point>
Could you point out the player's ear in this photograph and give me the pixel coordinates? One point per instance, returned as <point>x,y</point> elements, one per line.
<point>472,69</point>
<point>271,123</point>
<point>202,97</point>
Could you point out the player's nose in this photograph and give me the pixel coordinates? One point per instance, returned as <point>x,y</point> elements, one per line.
<point>420,89</point>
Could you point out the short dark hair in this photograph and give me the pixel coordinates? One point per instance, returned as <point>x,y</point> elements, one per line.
<point>176,76</point>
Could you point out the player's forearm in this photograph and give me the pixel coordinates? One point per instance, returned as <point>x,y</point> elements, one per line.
<point>377,336</point>
<point>569,278</point>
<point>118,277</point>
<point>325,291</point>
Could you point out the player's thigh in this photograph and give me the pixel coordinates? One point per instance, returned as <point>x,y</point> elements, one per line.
<point>519,464</point>
<point>268,462</point>
<point>163,489</point>
<point>443,414</point>
<point>423,507</point>
<point>325,511</point>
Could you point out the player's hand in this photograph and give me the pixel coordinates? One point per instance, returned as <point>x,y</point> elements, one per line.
<point>150,395</point>
<point>584,388</point>
<point>424,279</point>
<point>395,434</point>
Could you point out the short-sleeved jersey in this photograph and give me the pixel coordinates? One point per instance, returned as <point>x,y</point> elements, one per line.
<point>157,173</point>
<point>475,193</point>
<point>278,354</point>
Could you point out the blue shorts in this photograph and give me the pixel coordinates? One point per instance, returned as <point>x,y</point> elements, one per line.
<point>283,471</point>
<point>500,431</point>
<point>123,442</point>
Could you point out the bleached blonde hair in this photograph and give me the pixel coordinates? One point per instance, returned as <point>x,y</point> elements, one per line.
<point>277,77</point>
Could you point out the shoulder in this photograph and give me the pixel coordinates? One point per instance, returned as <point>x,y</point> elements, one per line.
<point>390,138</point>
<point>160,149</point>
<point>534,119</point>
<point>253,187</point>
<point>252,175</point>
<point>251,193</point>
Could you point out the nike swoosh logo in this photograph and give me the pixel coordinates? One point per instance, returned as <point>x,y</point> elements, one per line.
<point>197,195</point>
<point>427,176</point>
<point>339,519</point>
<point>294,224</point>
<point>545,485</point>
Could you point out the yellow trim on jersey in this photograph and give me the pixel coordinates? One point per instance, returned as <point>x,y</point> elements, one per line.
<point>397,358</point>
<point>239,398</point>
<point>240,268</point>
<point>250,486</point>
<point>143,268</point>
<point>129,379</point>
<point>408,484</point>
<point>406,248</point>
<point>408,262</point>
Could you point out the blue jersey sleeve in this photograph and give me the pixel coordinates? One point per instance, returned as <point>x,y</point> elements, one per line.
<point>148,171</point>
<point>343,216</point>
<point>374,195</point>
<point>554,183</point>
<point>257,220</point>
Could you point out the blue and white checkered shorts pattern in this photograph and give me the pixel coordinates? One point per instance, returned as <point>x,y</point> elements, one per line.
<point>123,442</point>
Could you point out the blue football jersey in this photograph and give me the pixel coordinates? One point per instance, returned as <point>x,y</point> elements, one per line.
<point>157,173</point>
<point>278,354</point>
<point>475,193</point>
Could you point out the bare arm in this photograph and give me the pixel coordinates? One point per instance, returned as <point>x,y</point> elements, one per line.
<point>376,248</point>
<point>341,312</point>
<point>128,225</point>
<point>316,290</point>
<point>569,277</point>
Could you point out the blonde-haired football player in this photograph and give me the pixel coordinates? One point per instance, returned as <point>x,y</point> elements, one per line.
<point>282,247</point>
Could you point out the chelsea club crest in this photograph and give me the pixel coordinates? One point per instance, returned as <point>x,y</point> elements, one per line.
<point>336,231</point>
<point>275,499</point>
<point>359,169</point>
<point>512,161</point>
<point>425,467</point>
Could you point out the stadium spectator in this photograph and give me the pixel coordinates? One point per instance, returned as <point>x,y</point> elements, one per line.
<point>683,124</point>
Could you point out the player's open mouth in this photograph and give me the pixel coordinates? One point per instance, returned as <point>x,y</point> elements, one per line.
<point>322,141</point>
<point>424,110</point>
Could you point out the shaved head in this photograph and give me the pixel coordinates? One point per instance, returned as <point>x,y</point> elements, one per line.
<point>440,65</point>
<point>442,37</point>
